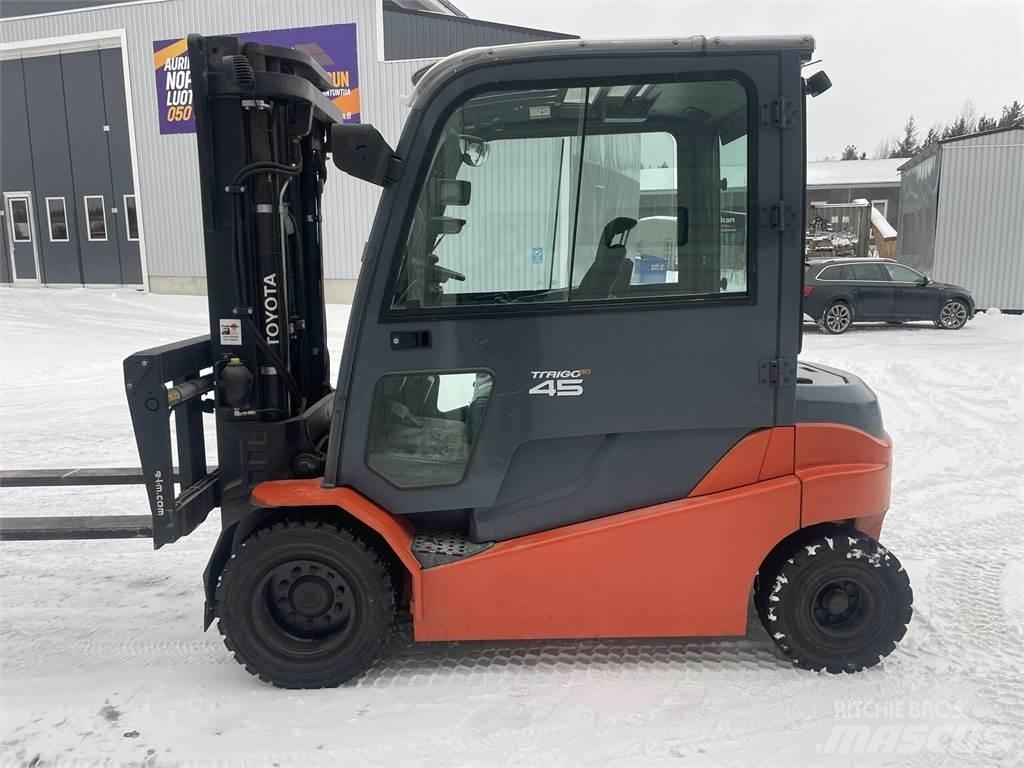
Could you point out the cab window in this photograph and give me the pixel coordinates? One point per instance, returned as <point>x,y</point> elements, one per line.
<point>583,195</point>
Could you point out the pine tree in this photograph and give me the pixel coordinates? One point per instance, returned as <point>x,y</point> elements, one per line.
<point>850,153</point>
<point>1013,114</point>
<point>907,146</point>
<point>986,123</point>
<point>958,127</point>
<point>965,122</point>
<point>934,134</point>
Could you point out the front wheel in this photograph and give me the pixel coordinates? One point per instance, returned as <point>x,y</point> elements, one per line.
<point>953,315</point>
<point>304,603</point>
<point>840,602</point>
<point>837,317</point>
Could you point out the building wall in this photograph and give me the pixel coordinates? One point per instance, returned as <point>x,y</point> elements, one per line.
<point>168,195</point>
<point>915,228</point>
<point>979,233</point>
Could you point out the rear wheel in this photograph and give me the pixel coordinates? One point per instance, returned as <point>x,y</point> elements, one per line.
<point>304,603</point>
<point>953,315</point>
<point>840,602</point>
<point>837,317</point>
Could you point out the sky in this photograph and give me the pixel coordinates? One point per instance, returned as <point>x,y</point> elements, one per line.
<point>886,60</point>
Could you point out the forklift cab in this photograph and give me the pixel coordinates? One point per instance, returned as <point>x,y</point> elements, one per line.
<point>515,373</point>
<point>543,425</point>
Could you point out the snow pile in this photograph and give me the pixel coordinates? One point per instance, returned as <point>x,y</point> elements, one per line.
<point>103,659</point>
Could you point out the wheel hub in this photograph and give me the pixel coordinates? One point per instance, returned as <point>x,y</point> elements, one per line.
<point>311,596</point>
<point>308,599</point>
<point>836,602</point>
<point>838,605</point>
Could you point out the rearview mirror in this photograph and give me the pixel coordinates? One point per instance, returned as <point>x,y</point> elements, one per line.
<point>360,151</point>
<point>474,150</point>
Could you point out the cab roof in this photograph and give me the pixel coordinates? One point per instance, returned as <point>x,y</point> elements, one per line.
<point>431,79</point>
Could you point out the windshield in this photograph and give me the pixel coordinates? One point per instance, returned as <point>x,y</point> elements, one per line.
<point>583,194</point>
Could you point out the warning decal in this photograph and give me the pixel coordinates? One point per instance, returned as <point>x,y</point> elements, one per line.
<point>230,332</point>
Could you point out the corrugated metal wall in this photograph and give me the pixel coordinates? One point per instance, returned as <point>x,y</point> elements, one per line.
<point>979,234</point>
<point>169,192</point>
<point>919,201</point>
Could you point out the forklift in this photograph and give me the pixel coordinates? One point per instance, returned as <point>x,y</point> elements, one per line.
<point>524,441</point>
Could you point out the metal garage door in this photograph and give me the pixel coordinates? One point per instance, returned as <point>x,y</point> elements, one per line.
<point>65,148</point>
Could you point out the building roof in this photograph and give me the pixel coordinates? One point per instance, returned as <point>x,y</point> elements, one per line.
<point>413,32</point>
<point>931,149</point>
<point>432,6</point>
<point>854,173</point>
<point>966,136</point>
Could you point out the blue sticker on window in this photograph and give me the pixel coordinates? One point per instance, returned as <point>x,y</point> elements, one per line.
<point>538,255</point>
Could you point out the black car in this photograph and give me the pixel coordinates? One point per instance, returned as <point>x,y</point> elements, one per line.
<point>840,292</point>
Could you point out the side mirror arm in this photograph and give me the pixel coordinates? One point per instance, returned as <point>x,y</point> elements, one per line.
<point>360,151</point>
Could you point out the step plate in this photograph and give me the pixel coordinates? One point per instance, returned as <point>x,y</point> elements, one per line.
<point>433,548</point>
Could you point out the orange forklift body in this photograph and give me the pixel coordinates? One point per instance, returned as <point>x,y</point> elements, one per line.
<point>681,568</point>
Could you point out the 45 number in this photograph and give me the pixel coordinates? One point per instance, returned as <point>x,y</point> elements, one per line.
<point>558,388</point>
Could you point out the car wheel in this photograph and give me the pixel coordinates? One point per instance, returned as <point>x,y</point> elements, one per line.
<point>837,317</point>
<point>953,315</point>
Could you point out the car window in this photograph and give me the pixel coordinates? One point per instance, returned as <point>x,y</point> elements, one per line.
<point>903,274</point>
<point>872,272</point>
<point>837,272</point>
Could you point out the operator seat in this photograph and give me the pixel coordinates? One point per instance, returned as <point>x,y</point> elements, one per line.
<point>610,273</point>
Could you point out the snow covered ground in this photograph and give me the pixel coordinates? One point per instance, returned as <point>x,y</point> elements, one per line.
<point>103,660</point>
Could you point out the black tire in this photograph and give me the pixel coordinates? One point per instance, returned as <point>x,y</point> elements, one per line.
<point>840,602</point>
<point>836,318</point>
<point>305,603</point>
<point>953,315</point>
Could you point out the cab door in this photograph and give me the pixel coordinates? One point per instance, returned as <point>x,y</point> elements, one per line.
<point>550,328</point>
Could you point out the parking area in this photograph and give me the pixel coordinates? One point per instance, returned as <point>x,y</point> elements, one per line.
<point>103,659</point>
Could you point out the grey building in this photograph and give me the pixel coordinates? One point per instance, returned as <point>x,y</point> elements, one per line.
<point>843,181</point>
<point>98,169</point>
<point>962,219</point>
